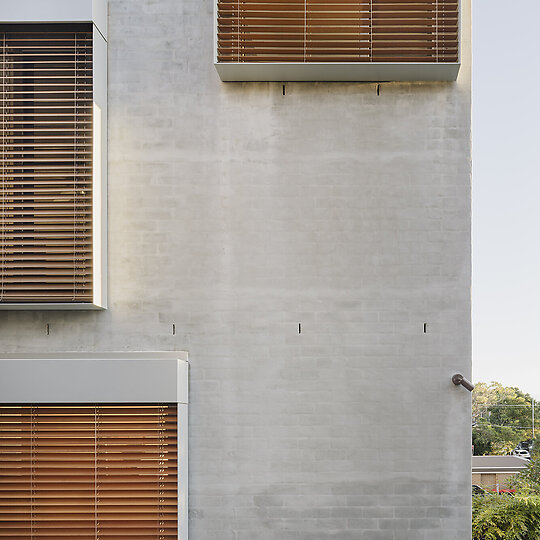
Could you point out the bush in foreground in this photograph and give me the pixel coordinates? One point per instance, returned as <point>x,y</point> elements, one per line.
<point>504,517</point>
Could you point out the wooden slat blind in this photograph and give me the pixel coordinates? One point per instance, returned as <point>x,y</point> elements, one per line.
<point>337,31</point>
<point>88,472</point>
<point>46,164</point>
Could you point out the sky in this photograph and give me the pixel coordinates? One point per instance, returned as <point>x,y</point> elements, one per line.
<point>506,194</point>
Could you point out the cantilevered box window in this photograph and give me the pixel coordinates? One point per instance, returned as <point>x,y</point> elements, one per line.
<point>337,40</point>
<point>53,154</point>
<point>47,154</point>
<point>94,446</point>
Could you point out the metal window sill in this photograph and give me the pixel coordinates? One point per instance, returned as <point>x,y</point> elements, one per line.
<point>342,71</point>
<point>29,306</point>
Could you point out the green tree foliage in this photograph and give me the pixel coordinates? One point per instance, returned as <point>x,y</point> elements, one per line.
<point>503,517</point>
<point>489,440</point>
<point>501,418</point>
<point>527,482</point>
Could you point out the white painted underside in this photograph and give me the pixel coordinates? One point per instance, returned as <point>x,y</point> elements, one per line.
<point>342,71</point>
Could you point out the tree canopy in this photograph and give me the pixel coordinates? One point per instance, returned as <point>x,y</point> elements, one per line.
<point>501,418</point>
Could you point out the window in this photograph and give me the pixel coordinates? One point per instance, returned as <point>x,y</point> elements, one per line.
<point>46,197</point>
<point>348,40</point>
<point>88,471</point>
<point>53,147</point>
<point>111,465</point>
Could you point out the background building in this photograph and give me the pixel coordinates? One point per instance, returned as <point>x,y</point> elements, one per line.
<point>493,472</point>
<point>308,244</point>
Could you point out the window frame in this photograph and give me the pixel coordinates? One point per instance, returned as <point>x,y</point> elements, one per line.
<point>94,12</point>
<point>123,378</point>
<point>337,71</point>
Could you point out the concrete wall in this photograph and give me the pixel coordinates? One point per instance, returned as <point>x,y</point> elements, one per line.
<point>237,213</point>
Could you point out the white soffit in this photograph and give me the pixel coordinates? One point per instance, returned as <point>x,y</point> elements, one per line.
<point>55,11</point>
<point>338,71</point>
<point>160,377</point>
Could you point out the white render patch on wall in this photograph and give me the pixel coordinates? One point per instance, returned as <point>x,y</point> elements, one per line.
<point>236,213</point>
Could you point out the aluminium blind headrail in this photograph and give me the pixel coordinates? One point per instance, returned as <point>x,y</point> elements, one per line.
<point>337,31</point>
<point>46,164</point>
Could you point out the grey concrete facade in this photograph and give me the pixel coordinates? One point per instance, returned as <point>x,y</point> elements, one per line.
<point>237,213</point>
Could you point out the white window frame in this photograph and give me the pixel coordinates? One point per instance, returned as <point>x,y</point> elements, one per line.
<point>95,12</point>
<point>149,377</point>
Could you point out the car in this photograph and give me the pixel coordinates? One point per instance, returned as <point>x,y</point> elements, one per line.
<point>519,452</point>
<point>504,491</point>
<point>477,490</point>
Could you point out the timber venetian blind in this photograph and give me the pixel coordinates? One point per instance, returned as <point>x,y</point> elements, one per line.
<point>88,472</point>
<point>337,31</point>
<point>46,163</point>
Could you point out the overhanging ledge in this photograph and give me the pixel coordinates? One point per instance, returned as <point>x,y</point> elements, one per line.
<point>342,71</point>
<point>55,11</point>
<point>111,377</point>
